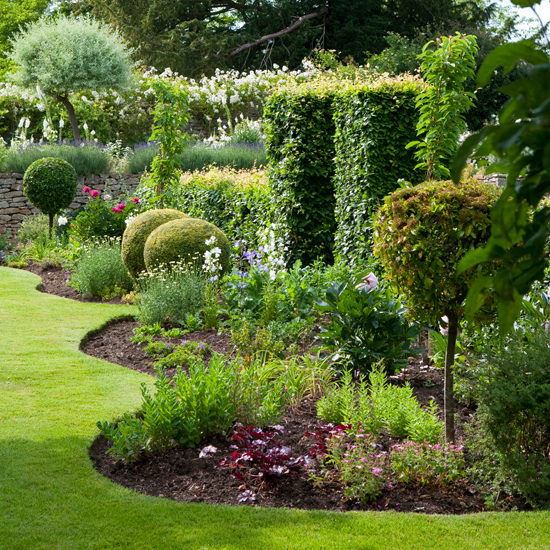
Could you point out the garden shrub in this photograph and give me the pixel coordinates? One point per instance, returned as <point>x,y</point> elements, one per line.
<point>374,123</point>
<point>102,217</point>
<point>514,410</point>
<point>184,240</point>
<point>33,228</point>
<point>366,325</point>
<point>299,129</point>
<point>420,234</point>
<point>237,201</point>
<point>100,272</point>
<point>136,234</point>
<point>172,296</point>
<point>50,185</point>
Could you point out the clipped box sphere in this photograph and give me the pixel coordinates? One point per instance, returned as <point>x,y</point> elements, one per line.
<point>184,240</point>
<point>50,184</point>
<point>137,232</point>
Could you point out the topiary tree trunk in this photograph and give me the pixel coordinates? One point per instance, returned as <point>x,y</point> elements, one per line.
<point>72,116</point>
<point>449,406</point>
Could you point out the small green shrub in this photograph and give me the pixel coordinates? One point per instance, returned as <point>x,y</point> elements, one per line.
<point>170,297</point>
<point>100,271</point>
<point>514,410</point>
<point>366,325</point>
<point>136,234</point>
<point>50,185</point>
<point>33,228</point>
<point>184,240</point>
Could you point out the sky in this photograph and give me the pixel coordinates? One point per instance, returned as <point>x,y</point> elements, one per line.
<point>543,9</point>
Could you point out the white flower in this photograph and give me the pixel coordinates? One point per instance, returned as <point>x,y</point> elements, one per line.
<point>92,132</point>
<point>106,197</point>
<point>85,126</point>
<point>62,220</point>
<point>27,123</point>
<point>61,123</point>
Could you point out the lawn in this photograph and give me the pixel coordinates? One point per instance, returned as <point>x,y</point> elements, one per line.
<point>51,396</point>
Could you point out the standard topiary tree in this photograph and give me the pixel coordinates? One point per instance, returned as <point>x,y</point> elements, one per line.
<point>184,240</point>
<point>65,55</point>
<point>136,233</point>
<point>420,234</point>
<point>50,185</point>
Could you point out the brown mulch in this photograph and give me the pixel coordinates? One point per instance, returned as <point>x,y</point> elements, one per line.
<point>180,474</point>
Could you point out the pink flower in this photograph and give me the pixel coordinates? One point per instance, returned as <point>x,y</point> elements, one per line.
<point>121,207</point>
<point>116,209</point>
<point>377,471</point>
<point>94,193</point>
<point>547,326</point>
<point>445,330</point>
<point>86,189</point>
<point>370,282</point>
<point>135,200</point>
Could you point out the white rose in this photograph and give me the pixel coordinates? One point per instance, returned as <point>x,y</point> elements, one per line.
<point>62,220</point>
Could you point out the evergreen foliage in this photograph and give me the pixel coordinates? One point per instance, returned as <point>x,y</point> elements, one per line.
<point>50,185</point>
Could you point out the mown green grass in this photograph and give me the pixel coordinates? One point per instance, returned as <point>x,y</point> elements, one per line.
<point>51,396</point>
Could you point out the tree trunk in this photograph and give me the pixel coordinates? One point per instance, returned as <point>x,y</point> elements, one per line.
<point>449,394</point>
<point>51,223</point>
<point>72,116</point>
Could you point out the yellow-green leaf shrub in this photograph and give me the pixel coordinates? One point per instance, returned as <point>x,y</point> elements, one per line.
<point>422,232</point>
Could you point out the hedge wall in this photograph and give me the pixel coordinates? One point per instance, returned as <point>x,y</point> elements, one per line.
<point>299,128</point>
<point>374,123</point>
<point>335,149</point>
<point>238,202</point>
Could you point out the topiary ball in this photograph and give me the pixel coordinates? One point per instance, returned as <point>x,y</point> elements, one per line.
<point>50,185</point>
<point>184,240</point>
<point>136,233</point>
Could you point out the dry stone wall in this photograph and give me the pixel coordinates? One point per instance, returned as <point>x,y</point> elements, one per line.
<point>14,206</point>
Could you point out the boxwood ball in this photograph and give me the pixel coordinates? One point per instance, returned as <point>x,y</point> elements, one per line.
<point>137,232</point>
<point>184,240</point>
<point>50,184</point>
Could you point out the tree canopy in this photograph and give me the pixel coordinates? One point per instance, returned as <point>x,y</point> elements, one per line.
<point>194,37</point>
<point>65,55</point>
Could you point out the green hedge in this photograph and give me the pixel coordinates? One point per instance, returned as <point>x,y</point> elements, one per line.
<point>238,202</point>
<point>374,123</point>
<point>335,149</point>
<point>299,129</point>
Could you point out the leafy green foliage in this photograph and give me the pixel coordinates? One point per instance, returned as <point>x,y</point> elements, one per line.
<point>366,325</point>
<point>374,123</point>
<point>299,127</point>
<point>198,405</point>
<point>514,408</point>
<point>441,104</point>
<point>170,116</point>
<point>50,185</point>
<point>422,232</point>
<point>100,271</point>
<point>168,296</point>
<point>376,405</point>
<point>520,143</point>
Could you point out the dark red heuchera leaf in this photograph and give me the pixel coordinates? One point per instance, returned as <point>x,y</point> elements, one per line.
<point>321,434</point>
<point>260,448</point>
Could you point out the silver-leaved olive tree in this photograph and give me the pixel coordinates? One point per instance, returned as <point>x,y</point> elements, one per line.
<point>65,55</point>
<point>420,234</point>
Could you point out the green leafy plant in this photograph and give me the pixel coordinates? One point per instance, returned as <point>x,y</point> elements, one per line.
<point>50,185</point>
<point>170,116</point>
<point>520,144</point>
<point>366,325</point>
<point>100,271</point>
<point>421,233</point>
<point>443,101</point>
<point>167,295</point>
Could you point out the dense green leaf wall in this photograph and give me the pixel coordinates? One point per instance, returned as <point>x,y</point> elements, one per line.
<point>373,126</point>
<point>299,126</point>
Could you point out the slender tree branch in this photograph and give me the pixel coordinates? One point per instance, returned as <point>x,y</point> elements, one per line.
<point>295,25</point>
